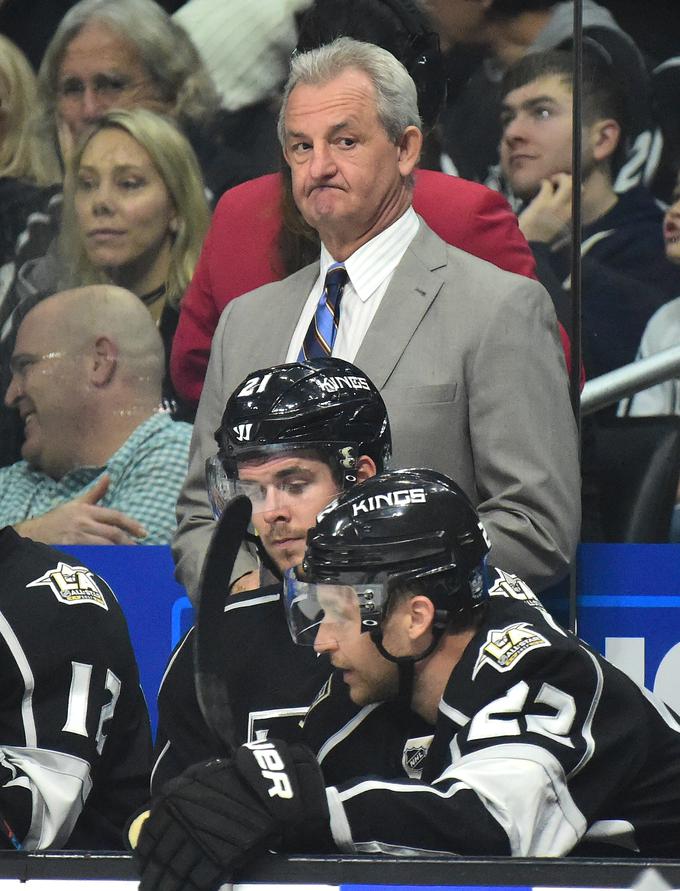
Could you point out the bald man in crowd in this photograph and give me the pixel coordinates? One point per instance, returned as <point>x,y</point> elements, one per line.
<point>101,463</point>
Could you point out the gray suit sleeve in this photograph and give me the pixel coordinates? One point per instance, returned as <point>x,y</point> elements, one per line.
<point>195,521</point>
<point>524,439</point>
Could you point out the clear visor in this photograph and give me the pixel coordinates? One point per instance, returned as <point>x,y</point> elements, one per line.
<point>336,610</point>
<point>219,485</point>
<point>275,491</point>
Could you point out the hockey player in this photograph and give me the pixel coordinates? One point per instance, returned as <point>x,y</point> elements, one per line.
<point>75,746</point>
<point>537,746</point>
<point>292,436</point>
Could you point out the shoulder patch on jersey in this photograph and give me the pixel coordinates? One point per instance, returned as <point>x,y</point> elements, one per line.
<point>504,647</point>
<point>414,755</point>
<point>508,585</point>
<point>71,585</point>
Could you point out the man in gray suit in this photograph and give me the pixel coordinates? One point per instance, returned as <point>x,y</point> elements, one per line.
<point>467,356</point>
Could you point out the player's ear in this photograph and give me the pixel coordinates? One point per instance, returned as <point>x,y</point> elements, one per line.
<point>604,137</point>
<point>104,361</point>
<point>421,616</point>
<point>365,468</point>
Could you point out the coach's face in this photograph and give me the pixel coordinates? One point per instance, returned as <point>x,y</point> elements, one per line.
<point>349,179</point>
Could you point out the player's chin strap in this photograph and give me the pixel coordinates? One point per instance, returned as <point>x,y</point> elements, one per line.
<point>406,665</point>
<point>269,571</point>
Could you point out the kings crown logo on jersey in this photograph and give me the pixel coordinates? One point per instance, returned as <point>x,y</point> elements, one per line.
<point>71,585</point>
<point>505,647</point>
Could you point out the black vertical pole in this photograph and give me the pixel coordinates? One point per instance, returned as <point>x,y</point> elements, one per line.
<point>575,379</point>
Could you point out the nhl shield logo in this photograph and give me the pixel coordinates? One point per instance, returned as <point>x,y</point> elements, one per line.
<point>414,755</point>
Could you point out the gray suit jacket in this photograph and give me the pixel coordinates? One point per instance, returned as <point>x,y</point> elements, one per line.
<point>469,362</point>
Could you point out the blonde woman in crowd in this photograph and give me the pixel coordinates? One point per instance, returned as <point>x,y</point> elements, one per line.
<point>135,213</point>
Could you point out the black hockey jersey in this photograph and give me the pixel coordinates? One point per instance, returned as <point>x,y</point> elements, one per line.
<point>269,682</point>
<point>540,748</point>
<point>75,743</point>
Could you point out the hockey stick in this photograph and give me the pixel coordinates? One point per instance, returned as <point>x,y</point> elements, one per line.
<point>211,689</point>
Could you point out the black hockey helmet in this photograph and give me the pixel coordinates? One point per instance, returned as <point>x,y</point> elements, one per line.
<point>389,530</point>
<point>327,405</point>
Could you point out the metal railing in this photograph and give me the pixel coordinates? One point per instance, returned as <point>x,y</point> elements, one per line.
<point>629,379</point>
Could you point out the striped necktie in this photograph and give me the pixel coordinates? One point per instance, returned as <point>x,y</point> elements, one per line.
<point>320,335</point>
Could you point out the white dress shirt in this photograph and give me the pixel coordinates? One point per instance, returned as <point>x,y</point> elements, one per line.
<point>370,270</point>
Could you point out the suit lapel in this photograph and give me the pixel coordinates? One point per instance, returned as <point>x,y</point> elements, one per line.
<point>289,303</point>
<point>414,286</point>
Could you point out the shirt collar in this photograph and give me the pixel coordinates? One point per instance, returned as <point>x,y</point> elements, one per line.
<point>80,476</point>
<point>373,262</point>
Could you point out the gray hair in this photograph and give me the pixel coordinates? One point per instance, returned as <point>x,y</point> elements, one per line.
<point>396,96</point>
<point>165,49</point>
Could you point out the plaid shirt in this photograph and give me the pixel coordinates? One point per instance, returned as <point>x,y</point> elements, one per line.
<point>146,473</point>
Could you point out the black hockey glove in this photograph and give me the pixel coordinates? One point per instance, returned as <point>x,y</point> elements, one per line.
<point>289,782</point>
<point>219,815</point>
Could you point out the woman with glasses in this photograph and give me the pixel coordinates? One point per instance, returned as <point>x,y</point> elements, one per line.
<point>120,54</point>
